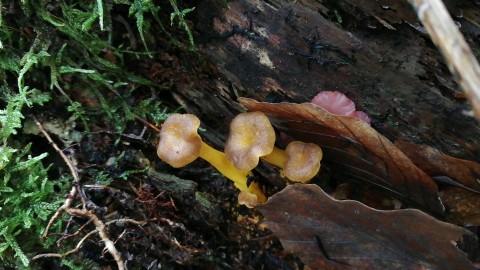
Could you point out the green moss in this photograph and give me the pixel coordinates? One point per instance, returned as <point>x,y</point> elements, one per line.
<point>49,49</point>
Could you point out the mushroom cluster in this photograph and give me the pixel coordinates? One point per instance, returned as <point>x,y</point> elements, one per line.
<point>251,137</point>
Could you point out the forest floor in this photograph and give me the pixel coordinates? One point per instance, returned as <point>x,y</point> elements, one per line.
<point>112,88</point>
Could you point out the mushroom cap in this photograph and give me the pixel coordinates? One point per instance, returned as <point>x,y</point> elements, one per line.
<point>179,142</point>
<point>334,102</point>
<point>337,103</point>
<point>248,199</point>
<point>251,136</point>
<point>303,161</point>
<point>362,116</point>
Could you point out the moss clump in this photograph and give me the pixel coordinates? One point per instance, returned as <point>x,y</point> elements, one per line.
<point>68,59</point>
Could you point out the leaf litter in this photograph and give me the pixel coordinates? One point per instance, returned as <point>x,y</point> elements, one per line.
<point>461,200</point>
<point>330,234</point>
<point>355,149</point>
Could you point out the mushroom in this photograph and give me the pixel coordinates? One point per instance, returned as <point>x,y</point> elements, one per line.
<point>251,137</point>
<point>334,102</point>
<point>337,103</point>
<point>180,145</point>
<point>300,161</point>
<point>179,142</point>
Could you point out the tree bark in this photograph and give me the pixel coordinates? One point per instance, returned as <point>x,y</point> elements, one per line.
<point>377,54</point>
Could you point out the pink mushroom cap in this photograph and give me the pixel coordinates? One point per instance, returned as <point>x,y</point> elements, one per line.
<point>362,116</point>
<point>337,103</point>
<point>334,102</point>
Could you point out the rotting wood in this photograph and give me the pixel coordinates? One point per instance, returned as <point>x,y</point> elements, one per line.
<point>288,51</point>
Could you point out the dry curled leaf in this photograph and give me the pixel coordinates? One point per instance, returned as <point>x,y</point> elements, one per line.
<point>330,234</point>
<point>463,204</point>
<point>435,163</point>
<point>353,148</point>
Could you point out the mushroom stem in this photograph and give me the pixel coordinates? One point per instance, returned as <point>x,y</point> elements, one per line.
<point>218,160</point>
<point>277,157</point>
<point>223,165</point>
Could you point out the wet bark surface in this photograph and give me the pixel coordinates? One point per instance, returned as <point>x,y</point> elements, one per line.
<point>377,54</point>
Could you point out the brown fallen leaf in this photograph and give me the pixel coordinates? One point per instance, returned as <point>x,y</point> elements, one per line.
<point>435,163</point>
<point>354,149</point>
<point>330,234</point>
<point>463,204</point>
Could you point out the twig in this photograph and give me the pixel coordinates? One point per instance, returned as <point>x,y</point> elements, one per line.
<point>67,236</point>
<point>60,89</point>
<point>121,235</point>
<point>100,227</point>
<point>55,146</point>
<point>148,124</point>
<point>68,201</point>
<point>71,195</point>
<point>75,250</point>
<point>47,255</point>
<point>80,243</point>
<point>458,55</point>
<point>127,220</point>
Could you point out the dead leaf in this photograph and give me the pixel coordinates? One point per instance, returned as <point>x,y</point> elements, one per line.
<point>435,163</point>
<point>330,234</point>
<point>354,149</point>
<point>463,205</point>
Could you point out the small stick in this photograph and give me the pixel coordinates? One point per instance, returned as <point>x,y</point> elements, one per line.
<point>75,250</point>
<point>458,55</point>
<point>55,146</point>
<point>99,225</point>
<point>71,195</point>
<point>101,228</point>
<point>148,124</point>
<point>127,220</point>
<point>67,236</point>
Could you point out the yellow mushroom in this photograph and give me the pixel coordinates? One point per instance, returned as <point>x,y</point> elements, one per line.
<point>252,137</point>
<point>179,142</point>
<point>180,145</point>
<point>302,161</point>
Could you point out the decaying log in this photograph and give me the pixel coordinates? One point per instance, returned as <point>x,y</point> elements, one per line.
<point>377,54</point>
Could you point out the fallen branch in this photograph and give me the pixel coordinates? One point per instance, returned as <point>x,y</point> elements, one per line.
<point>458,55</point>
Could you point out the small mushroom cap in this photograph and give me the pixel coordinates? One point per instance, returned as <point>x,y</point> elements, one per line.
<point>337,103</point>
<point>248,199</point>
<point>334,102</point>
<point>303,161</point>
<point>179,143</point>
<point>251,136</point>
